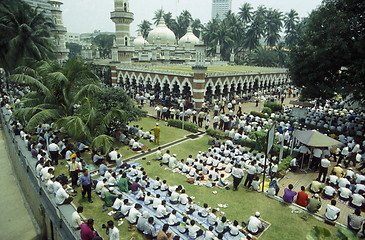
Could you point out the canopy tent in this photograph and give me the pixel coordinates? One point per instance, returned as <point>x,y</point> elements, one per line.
<point>314,138</point>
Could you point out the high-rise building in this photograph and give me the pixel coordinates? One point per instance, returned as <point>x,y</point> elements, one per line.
<point>220,8</point>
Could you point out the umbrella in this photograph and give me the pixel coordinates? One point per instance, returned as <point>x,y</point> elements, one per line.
<point>314,138</point>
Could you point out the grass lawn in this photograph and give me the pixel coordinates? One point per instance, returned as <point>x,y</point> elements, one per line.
<point>242,203</point>
<point>215,69</point>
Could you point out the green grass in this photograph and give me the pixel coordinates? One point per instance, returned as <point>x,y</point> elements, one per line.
<point>215,69</point>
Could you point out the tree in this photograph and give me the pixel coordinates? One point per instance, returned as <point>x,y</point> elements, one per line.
<point>273,26</point>
<point>264,57</point>
<point>182,23</point>
<point>25,33</point>
<point>104,43</point>
<point>329,54</point>
<point>245,13</point>
<point>197,27</point>
<point>75,49</point>
<point>291,20</point>
<point>158,14</point>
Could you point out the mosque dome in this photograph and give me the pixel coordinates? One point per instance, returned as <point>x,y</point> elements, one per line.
<point>139,41</point>
<point>162,35</point>
<point>189,39</point>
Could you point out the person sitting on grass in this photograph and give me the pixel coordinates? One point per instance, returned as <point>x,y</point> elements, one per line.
<point>355,221</point>
<point>194,230</point>
<point>124,210</point>
<point>332,212</point>
<point>234,230</point>
<point>183,226</point>
<point>150,229</point>
<point>222,225</point>
<point>156,184</point>
<point>205,211</point>
<point>142,220</point>
<point>109,198</point>
<point>134,214</point>
<point>148,199</point>
<point>118,202</point>
<point>123,183</point>
<point>254,225</point>
<point>212,217</point>
<point>156,201</point>
<point>289,194</point>
<point>255,185</point>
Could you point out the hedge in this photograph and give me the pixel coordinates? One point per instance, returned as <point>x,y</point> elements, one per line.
<point>267,110</point>
<point>274,106</point>
<point>191,127</point>
<point>285,162</point>
<point>257,114</point>
<point>215,133</point>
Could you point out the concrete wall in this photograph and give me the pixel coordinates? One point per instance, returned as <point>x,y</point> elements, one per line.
<point>54,221</point>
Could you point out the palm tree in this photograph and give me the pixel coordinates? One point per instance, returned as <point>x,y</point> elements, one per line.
<point>197,27</point>
<point>264,57</point>
<point>183,21</point>
<point>144,28</point>
<point>158,14</point>
<point>273,26</point>
<point>291,21</point>
<point>25,33</point>
<point>245,13</point>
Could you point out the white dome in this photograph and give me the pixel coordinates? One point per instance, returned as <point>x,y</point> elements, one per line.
<point>189,39</point>
<point>162,35</point>
<point>139,41</point>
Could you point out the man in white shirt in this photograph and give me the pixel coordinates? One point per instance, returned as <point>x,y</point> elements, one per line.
<point>113,231</point>
<point>323,169</point>
<point>237,174</point>
<point>332,212</point>
<point>345,193</point>
<point>250,174</point>
<point>358,201</point>
<point>76,218</point>
<point>118,203</point>
<point>113,155</point>
<point>254,225</point>
<point>134,213</point>
<point>158,154</point>
<point>317,154</point>
<point>54,149</point>
<point>166,158</point>
<point>329,191</point>
<point>161,211</point>
<point>62,197</point>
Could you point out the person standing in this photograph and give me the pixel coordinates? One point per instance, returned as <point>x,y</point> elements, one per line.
<point>113,231</point>
<point>251,171</point>
<point>323,169</point>
<point>54,152</point>
<point>158,112</point>
<point>156,131</point>
<point>237,174</point>
<point>74,169</point>
<point>317,154</point>
<point>85,184</point>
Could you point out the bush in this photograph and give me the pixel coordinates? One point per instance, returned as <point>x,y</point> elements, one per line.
<point>274,106</point>
<point>267,110</point>
<point>247,143</point>
<point>257,114</point>
<point>191,127</point>
<point>284,165</point>
<point>215,133</point>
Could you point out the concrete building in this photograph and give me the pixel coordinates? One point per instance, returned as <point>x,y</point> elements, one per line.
<point>73,38</point>
<point>220,8</point>
<point>43,5</point>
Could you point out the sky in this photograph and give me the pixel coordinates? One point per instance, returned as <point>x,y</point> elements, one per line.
<point>83,16</point>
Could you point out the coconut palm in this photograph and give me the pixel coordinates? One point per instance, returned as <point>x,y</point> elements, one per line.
<point>245,13</point>
<point>197,27</point>
<point>25,33</point>
<point>144,28</point>
<point>291,21</point>
<point>158,14</point>
<point>182,23</point>
<point>273,26</point>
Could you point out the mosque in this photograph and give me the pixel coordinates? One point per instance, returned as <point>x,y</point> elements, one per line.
<point>196,83</point>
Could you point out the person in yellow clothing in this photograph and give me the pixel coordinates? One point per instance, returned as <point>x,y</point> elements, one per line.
<point>156,131</point>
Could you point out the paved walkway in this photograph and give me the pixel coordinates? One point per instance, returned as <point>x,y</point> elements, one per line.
<point>15,221</point>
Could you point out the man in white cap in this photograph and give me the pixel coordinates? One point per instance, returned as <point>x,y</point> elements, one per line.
<point>254,225</point>
<point>156,131</point>
<point>314,204</point>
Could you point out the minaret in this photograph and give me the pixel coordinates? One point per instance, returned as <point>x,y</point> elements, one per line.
<point>59,31</point>
<point>199,70</point>
<point>122,19</point>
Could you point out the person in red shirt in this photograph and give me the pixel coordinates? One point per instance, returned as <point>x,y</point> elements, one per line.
<point>87,231</point>
<point>302,198</point>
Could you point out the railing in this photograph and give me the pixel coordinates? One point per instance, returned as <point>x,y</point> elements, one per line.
<point>59,215</point>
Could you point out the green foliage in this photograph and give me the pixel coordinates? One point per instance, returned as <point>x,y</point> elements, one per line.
<point>103,143</point>
<point>247,143</point>
<point>104,43</point>
<point>191,127</point>
<point>267,110</point>
<point>335,30</point>
<point>257,114</point>
<point>75,49</point>
<point>25,33</point>
<point>144,28</point>
<point>260,137</point>
<point>284,165</point>
<point>274,106</point>
<point>318,233</point>
<point>215,133</point>
<point>345,234</point>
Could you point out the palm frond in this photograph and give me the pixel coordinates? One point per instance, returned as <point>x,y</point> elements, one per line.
<point>31,81</point>
<point>43,116</point>
<point>75,127</point>
<point>88,90</point>
<point>103,142</point>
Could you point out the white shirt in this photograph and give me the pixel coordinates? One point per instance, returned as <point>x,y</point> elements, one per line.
<point>161,211</point>
<point>118,203</point>
<point>330,191</point>
<point>114,233</point>
<point>61,195</point>
<point>331,212</point>
<point>193,231</point>
<point>113,155</point>
<point>357,199</point>
<point>133,214</point>
<point>325,163</point>
<point>76,219</point>
<point>99,186</point>
<point>317,152</point>
<point>237,172</point>
<point>53,147</point>
<point>172,219</point>
<point>254,224</point>
<point>345,192</point>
